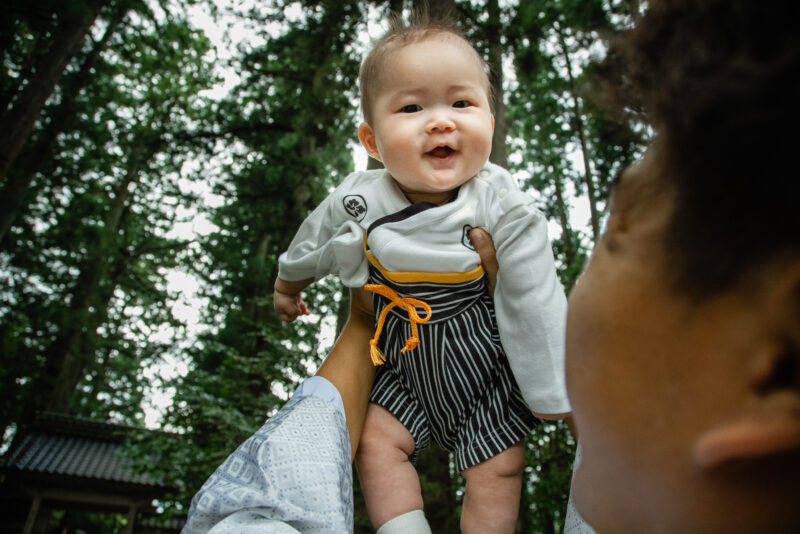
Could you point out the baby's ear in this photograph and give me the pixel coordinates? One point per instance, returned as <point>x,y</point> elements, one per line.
<point>367,137</point>
<point>768,422</point>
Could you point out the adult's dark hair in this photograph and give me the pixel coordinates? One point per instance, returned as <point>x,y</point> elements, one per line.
<point>719,80</point>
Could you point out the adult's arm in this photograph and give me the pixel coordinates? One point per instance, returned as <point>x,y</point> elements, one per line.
<point>349,368</point>
<point>294,474</point>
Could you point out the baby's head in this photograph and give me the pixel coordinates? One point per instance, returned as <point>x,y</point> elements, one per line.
<point>400,35</point>
<point>426,99</point>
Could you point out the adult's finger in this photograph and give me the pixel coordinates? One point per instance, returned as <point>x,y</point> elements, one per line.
<point>484,246</point>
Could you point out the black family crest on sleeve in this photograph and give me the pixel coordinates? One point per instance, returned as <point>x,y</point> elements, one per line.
<point>355,206</point>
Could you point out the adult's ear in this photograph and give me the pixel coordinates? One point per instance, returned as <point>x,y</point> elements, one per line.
<point>368,141</point>
<point>768,423</point>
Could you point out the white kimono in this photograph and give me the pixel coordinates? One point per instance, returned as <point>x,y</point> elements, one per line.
<point>529,301</point>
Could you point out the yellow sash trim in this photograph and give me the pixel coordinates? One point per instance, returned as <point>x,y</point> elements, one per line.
<point>405,277</point>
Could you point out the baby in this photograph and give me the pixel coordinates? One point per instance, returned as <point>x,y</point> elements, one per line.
<point>403,231</point>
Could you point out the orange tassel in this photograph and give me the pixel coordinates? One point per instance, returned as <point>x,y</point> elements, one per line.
<point>396,300</point>
<point>377,356</point>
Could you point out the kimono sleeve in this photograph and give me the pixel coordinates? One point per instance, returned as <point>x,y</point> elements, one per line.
<point>292,475</point>
<point>530,304</point>
<point>326,243</point>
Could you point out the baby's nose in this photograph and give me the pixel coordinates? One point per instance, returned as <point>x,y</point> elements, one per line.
<point>440,123</point>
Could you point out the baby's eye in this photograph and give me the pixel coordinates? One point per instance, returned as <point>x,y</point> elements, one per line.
<point>411,108</point>
<point>462,104</point>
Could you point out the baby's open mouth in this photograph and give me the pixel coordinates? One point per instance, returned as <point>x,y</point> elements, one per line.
<point>441,152</point>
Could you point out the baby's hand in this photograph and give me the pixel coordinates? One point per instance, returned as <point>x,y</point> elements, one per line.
<point>289,307</point>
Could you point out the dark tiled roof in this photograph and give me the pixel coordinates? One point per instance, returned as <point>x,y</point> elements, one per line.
<point>59,444</point>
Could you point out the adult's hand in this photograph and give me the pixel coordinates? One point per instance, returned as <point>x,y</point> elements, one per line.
<point>484,246</point>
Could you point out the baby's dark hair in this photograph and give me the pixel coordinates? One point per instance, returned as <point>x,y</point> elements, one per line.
<point>421,27</point>
<point>719,80</point>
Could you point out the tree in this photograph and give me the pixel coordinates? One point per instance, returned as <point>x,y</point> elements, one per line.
<point>21,171</point>
<point>564,146</point>
<point>65,37</point>
<point>283,141</point>
<point>87,263</point>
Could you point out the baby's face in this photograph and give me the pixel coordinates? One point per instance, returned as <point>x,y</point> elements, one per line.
<point>432,123</point>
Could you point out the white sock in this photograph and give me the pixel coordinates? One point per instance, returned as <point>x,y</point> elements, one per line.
<point>413,522</point>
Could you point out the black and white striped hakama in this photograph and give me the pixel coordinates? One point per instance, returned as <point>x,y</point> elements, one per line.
<point>456,387</point>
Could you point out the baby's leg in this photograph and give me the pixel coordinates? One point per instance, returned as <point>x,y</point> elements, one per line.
<point>389,481</point>
<point>491,498</point>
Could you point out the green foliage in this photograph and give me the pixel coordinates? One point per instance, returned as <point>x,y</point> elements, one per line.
<point>556,45</point>
<point>561,145</point>
<point>549,453</point>
<point>286,128</point>
<point>84,263</point>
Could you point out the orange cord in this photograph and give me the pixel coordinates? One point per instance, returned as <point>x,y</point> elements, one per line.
<point>396,300</point>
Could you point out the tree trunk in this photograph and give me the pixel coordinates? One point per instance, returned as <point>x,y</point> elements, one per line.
<point>17,122</point>
<point>68,355</point>
<point>494,32</point>
<point>635,10</point>
<point>579,126</point>
<point>14,194</point>
<point>255,286</point>
<point>83,345</point>
<point>563,219</point>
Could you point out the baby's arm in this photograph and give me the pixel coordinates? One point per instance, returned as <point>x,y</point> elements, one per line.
<point>287,300</point>
<point>484,245</point>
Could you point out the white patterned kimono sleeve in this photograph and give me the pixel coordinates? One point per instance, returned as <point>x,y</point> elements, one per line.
<point>293,475</point>
<point>574,523</point>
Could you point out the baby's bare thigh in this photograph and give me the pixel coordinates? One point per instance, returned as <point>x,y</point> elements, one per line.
<point>382,429</point>
<point>508,463</point>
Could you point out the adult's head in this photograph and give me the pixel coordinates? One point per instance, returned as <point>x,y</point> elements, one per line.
<point>683,338</point>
